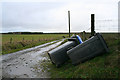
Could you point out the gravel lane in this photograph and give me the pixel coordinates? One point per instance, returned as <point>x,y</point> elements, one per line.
<point>26,64</point>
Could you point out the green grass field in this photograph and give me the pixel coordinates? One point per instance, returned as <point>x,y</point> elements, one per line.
<point>15,42</point>
<point>104,66</point>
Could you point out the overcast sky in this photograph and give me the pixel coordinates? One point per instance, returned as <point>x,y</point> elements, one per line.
<point>52,16</point>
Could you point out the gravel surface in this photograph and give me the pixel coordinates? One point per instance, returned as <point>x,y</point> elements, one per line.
<point>26,63</point>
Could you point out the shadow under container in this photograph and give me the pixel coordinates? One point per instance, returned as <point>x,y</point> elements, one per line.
<point>92,47</point>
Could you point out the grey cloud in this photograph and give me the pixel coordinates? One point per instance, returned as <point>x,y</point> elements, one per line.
<point>52,16</point>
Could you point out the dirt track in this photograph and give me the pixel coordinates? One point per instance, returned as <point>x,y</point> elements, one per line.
<point>26,63</point>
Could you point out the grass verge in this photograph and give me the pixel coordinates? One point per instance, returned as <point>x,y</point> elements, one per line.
<point>12,43</point>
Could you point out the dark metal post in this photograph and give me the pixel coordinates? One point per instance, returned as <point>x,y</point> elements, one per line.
<point>92,24</point>
<point>69,21</point>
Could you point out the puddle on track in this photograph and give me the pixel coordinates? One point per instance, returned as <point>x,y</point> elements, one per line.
<point>24,65</point>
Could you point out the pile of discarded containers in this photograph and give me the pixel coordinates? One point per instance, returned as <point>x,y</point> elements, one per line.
<point>78,51</point>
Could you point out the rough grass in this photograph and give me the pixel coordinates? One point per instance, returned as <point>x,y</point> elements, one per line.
<point>104,66</point>
<point>19,42</point>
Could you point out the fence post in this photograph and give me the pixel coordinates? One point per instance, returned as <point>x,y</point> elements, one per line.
<point>11,40</point>
<point>69,21</point>
<point>32,39</point>
<point>92,24</point>
<point>84,36</point>
<point>23,39</point>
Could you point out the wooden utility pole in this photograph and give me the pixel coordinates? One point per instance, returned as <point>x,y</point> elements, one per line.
<point>69,21</point>
<point>92,24</point>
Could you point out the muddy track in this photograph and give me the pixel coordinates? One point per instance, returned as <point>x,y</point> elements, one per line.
<point>26,64</point>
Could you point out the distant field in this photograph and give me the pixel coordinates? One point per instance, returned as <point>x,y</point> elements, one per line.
<point>16,42</point>
<point>30,37</point>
